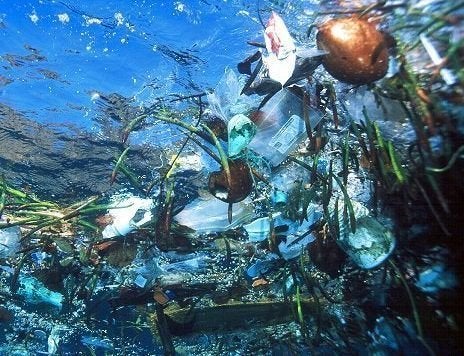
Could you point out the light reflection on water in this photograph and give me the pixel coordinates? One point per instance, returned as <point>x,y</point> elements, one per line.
<point>56,54</point>
<point>60,161</point>
<point>71,74</point>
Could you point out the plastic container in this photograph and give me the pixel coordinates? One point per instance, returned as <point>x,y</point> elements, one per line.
<point>281,126</point>
<point>371,244</point>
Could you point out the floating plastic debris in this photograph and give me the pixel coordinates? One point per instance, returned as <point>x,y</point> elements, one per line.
<point>225,101</point>
<point>259,229</point>
<point>39,257</point>
<point>35,292</point>
<point>281,51</point>
<point>447,75</point>
<point>436,278</point>
<point>293,246</point>
<point>189,265</point>
<point>140,281</point>
<point>261,267</point>
<point>281,126</point>
<point>53,340</point>
<point>208,214</point>
<point>9,241</point>
<point>278,197</point>
<point>125,212</point>
<point>371,243</point>
<point>241,131</point>
<point>96,342</point>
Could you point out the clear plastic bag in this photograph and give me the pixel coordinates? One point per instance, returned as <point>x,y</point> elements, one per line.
<point>225,101</point>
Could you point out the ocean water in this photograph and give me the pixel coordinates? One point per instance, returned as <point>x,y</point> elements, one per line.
<point>70,70</point>
<point>130,248</point>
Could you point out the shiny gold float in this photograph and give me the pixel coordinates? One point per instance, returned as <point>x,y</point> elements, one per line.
<point>357,51</point>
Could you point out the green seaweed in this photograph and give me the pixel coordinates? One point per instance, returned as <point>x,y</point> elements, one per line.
<point>348,204</point>
<point>399,172</point>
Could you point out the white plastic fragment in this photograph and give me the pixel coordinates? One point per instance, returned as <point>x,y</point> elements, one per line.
<point>125,210</point>
<point>371,243</point>
<point>53,340</point>
<point>446,74</point>
<point>281,50</point>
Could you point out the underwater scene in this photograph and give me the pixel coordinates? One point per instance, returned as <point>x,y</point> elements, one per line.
<point>231,177</point>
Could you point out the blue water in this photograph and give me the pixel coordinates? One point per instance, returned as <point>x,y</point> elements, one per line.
<point>57,55</point>
<point>71,72</point>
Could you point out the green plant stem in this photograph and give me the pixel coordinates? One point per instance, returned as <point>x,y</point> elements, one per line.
<point>450,163</point>
<point>432,208</point>
<point>347,202</point>
<point>395,164</point>
<point>196,130</point>
<point>298,306</point>
<point>222,154</point>
<point>68,215</point>
<point>415,311</point>
<point>119,162</point>
<point>30,221</point>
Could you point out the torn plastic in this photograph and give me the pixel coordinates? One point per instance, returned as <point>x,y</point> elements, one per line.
<point>294,245</point>
<point>260,229</point>
<point>282,65</point>
<point>54,339</point>
<point>281,50</point>
<point>263,266</point>
<point>35,292</point>
<point>129,213</point>
<point>225,101</point>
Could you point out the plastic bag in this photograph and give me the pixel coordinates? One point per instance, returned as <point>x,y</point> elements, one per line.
<point>225,101</point>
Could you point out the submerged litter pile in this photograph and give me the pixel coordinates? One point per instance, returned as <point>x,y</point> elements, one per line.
<point>321,216</point>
